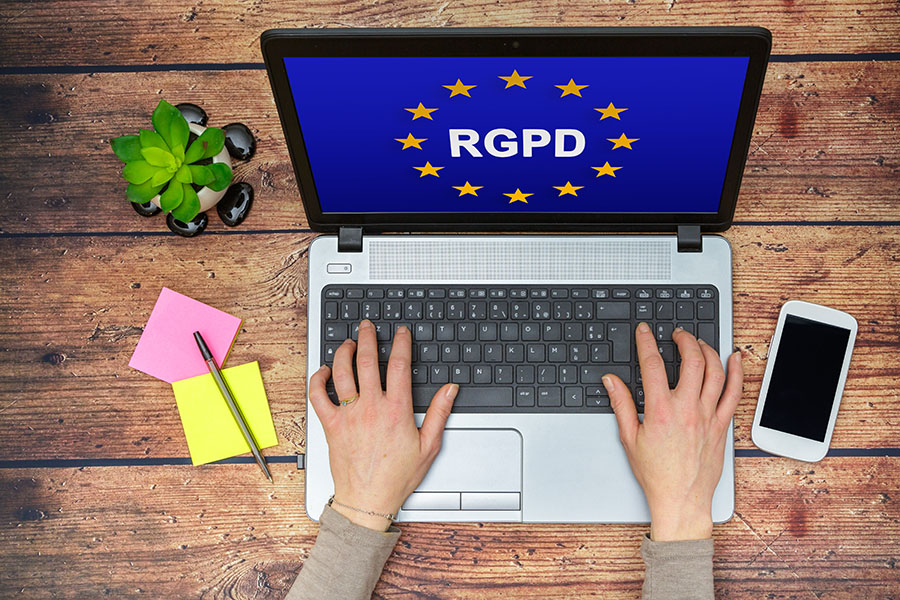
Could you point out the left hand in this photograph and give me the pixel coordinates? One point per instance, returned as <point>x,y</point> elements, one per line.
<point>377,454</point>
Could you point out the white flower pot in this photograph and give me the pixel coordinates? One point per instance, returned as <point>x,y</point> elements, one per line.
<point>208,198</point>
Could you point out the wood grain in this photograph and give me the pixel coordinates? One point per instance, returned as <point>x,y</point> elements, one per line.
<point>824,146</point>
<point>74,308</point>
<point>830,531</point>
<point>94,32</point>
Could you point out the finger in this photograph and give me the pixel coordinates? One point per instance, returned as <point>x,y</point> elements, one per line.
<point>342,373</point>
<point>367,359</point>
<point>734,385</point>
<point>399,377</point>
<point>318,397</point>
<point>693,364</point>
<point>623,406</point>
<point>653,370</point>
<point>713,379</point>
<point>432,430</point>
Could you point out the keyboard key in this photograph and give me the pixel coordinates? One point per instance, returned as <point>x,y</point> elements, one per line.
<point>600,353</point>
<point>518,293</point>
<point>549,396</point>
<point>499,310</point>
<point>396,293</point>
<point>706,311</point>
<point>536,353</point>
<point>493,353</point>
<point>481,374</point>
<point>487,332</point>
<point>574,396</point>
<point>382,332</point>
<point>334,293</point>
<point>664,331</point>
<point>436,374</point>
<point>665,310</point>
<point>667,351</point>
<point>567,374</point>
<point>515,353</point>
<point>643,294</point>
<point>578,353</point>
<point>465,332</point>
<point>584,310</point>
<point>460,374</point>
<point>643,311</point>
<point>581,293</point>
<point>331,311</point>
<point>559,293</point>
<point>595,373</point>
<point>613,310</point>
<point>412,311</point>
<point>562,311</point>
<point>531,332</point>
<point>620,336</point>
<point>444,332</point>
<point>552,332</point>
<point>524,396</point>
<point>664,294</point>
<point>429,353</point>
<point>539,293</point>
<point>509,332</point>
<point>574,332</point>
<point>478,310</point>
<point>525,374</point>
<point>556,353</point>
<point>593,332</point>
<point>707,332</point>
<point>355,293</point>
<point>349,311</point>
<point>468,396</point>
<point>706,293</point>
<point>684,310</point>
<point>546,374</point>
<point>600,293</point>
<point>419,374</point>
<point>424,332</point>
<point>392,310</point>
<point>471,353</point>
<point>457,293</point>
<point>335,331</point>
<point>456,310</point>
<point>684,293</point>
<point>620,293</point>
<point>540,310</point>
<point>503,374</point>
<point>519,310</point>
<point>497,293</point>
<point>434,311</point>
<point>478,293</point>
<point>450,353</point>
<point>437,293</point>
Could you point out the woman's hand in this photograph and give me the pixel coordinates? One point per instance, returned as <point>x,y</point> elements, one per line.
<point>676,453</point>
<point>377,455</point>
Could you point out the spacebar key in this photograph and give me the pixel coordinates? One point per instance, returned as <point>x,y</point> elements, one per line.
<point>468,396</point>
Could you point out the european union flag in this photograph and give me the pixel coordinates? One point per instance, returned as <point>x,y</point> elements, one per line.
<point>477,134</point>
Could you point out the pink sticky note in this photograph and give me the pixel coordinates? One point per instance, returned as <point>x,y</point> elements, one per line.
<point>167,349</point>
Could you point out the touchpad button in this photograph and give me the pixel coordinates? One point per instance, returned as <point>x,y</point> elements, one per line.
<point>477,460</point>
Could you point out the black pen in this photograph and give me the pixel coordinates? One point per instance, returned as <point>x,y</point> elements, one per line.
<point>229,398</point>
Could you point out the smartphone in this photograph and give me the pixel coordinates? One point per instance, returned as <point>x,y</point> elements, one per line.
<point>804,380</point>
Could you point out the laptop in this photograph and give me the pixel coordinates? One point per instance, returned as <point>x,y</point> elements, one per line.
<point>520,199</point>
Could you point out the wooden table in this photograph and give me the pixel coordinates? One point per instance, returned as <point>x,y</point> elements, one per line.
<point>97,495</point>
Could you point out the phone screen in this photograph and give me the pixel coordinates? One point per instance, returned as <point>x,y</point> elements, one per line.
<point>805,378</point>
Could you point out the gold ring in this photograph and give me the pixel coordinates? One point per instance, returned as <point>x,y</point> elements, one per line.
<point>349,400</point>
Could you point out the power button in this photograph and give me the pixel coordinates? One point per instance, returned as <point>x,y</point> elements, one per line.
<point>338,268</point>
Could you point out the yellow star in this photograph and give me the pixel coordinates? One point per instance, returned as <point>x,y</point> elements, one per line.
<point>610,111</point>
<point>568,188</point>
<point>411,142</point>
<point>571,88</point>
<point>459,88</point>
<point>421,111</point>
<point>515,79</point>
<point>428,170</point>
<point>518,196</point>
<point>622,141</point>
<point>467,189</point>
<point>606,170</point>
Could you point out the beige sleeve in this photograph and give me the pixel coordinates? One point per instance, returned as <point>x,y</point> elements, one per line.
<point>678,570</point>
<point>346,561</point>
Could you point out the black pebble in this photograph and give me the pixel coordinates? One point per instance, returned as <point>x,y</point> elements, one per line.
<point>191,229</point>
<point>235,204</point>
<point>240,142</point>
<point>147,209</point>
<point>192,113</point>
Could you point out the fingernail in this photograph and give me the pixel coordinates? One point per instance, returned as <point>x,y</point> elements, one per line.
<point>608,383</point>
<point>679,329</point>
<point>365,323</point>
<point>402,329</point>
<point>643,327</point>
<point>452,391</point>
<point>736,349</point>
<point>701,342</point>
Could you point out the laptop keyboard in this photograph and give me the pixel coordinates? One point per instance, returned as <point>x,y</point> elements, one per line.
<point>521,349</point>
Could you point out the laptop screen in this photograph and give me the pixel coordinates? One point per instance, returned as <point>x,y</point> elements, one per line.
<point>518,134</point>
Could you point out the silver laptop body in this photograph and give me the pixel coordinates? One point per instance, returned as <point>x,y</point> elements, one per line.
<point>538,465</point>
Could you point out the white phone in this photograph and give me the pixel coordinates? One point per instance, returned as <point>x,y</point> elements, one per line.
<point>804,380</point>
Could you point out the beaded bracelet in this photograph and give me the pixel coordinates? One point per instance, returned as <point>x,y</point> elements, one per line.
<point>389,517</point>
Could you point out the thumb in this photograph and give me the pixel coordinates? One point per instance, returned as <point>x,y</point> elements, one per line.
<point>623,406</point>
<point>436,416</point>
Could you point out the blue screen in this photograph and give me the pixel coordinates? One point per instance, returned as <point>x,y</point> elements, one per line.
<point>534,134</point>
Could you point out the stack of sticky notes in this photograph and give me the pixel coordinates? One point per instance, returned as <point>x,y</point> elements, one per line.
<point>167,351</point>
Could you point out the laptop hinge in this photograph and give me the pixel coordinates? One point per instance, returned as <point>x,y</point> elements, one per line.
<point>689,238</point>
<point>350,239</point>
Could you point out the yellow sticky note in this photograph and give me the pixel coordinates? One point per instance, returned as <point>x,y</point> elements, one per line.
<point>211,431</point>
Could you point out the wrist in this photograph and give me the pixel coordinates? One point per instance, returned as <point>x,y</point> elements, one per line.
<point>362,519</point>
<point>680,525</point>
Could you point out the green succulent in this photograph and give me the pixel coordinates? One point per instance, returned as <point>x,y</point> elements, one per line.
<point>160,162</point>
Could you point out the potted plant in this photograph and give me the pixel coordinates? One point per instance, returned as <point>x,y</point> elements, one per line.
<point>184,168</point>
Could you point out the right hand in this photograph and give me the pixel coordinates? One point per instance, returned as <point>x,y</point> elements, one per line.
<point>377,454</point>
<point>677,452</point>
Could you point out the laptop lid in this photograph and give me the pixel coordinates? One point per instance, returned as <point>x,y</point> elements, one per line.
<point>593,129</point>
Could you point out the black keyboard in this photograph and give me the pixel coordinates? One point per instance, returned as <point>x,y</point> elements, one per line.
<point>521,349</point>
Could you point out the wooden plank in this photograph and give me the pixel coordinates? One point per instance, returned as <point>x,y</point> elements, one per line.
<point>94,32</point>
<point>73,309</point>
<point>824,146</point>
<point>829,530</point>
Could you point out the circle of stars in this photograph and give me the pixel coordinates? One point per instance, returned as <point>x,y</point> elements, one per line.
<point>516,80</point>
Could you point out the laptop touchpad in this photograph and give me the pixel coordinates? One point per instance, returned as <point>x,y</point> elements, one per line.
<point>476,469</point>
